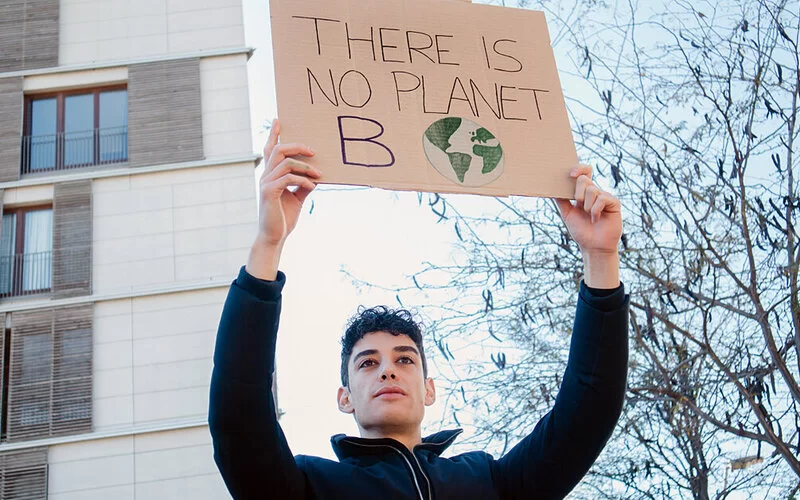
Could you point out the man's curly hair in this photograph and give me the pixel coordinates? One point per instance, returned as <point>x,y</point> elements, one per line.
<point>379,319</point>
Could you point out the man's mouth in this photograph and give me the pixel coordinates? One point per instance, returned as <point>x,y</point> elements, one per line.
<point>390,393</point>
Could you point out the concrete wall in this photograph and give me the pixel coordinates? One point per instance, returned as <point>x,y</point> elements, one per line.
<point>172,228</point>
<point>153,358</point>
<point>171,465</point>
<point>225,105</point>
<point>93,31</point>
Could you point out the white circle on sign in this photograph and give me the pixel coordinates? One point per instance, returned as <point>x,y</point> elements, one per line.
<point>463,151</point>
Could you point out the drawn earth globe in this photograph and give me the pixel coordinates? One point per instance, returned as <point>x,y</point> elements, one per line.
<point>464,152</point>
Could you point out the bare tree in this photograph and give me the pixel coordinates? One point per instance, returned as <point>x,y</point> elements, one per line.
<point>693,122</point>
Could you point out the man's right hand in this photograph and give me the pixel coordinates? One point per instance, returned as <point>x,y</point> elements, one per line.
<point>279,206</point>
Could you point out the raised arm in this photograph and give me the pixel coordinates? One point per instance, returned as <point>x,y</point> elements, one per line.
<point>250,448</point>
<point>551,460</point>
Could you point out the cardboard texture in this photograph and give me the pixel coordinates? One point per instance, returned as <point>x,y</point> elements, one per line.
<point>439,96</point>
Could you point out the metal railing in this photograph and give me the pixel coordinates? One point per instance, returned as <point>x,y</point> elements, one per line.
<point>46,153</point>
<point>25,274</point>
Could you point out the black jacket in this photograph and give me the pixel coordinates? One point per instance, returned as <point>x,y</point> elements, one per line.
<point>251,452</point>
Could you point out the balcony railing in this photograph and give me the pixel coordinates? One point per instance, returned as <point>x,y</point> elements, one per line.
<point>25,274</point>
<point>46,153</point>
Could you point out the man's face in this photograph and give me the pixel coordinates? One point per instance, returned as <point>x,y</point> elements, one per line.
<point>388,390</point>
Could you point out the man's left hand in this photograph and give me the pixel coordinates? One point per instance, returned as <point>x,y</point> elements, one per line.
<point>594,221</point>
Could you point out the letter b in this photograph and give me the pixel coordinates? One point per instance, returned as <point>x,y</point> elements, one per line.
<point>369,147</point>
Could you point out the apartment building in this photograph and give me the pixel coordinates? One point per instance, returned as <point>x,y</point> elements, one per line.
<point>128,204</point>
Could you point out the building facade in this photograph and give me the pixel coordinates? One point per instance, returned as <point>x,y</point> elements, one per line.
<point>128,204</point>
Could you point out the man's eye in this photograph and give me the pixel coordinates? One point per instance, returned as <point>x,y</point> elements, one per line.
<point>367,362</point>
<point>406,360</point>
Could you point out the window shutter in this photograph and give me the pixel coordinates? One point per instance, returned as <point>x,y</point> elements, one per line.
<point>50,386</point>
<point>3,348</point>
<point>30,376</point>
<point>72,239</point>
<point>29,30</point>
<point>164,116</point>
<point>23,474</point>
<point>11,103</point>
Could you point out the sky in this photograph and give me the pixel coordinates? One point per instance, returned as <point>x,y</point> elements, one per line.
<point>378,236</point>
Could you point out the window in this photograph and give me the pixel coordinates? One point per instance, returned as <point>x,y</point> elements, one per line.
<point>75,129</point>
<point>26,251</point>
<point>47,382</point>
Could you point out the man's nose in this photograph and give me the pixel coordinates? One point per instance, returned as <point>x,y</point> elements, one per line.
<point>388,373</point>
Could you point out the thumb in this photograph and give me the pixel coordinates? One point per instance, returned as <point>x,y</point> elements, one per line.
<point>564,206</point>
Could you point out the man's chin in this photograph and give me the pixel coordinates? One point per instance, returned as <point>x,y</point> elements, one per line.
<point>393,418</point>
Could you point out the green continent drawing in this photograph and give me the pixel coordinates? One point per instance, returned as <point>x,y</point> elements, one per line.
<point>460,163</point>
<point>482,135</point>
<point>441,131</point>
<point>491,156</point>
<point>452,143</point>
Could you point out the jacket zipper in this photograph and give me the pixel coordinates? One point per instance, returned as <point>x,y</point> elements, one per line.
<point>410,467</point>
<point>419,465</point>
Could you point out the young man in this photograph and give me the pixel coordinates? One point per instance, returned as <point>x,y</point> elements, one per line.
<point>384,376</point>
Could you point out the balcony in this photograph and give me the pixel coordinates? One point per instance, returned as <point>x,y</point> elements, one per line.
<point>25,274</point>
<point>64,151</point>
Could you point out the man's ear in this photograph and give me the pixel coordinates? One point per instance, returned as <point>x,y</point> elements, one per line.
<point>343,397</point>
<point>430,392</point>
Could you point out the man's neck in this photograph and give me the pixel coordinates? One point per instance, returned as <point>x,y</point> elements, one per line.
<point>408,439</point>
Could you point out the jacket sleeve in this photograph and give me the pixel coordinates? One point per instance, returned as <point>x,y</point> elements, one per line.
<point>551,460</point>
<point>250,448</point>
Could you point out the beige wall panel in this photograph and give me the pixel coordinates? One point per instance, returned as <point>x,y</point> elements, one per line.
<point>32,195</point>
<point>172,376</point>
<point>176,464</point>
<point>105,30</point>
<point>112,414</point>
<point>166,405</point>
<point>76,79</point>
<point>172,228</point>
<point>113,383</point>
<point>89,450</point>
<point>125,492</point>
<point>99,472</point>
<point>207,486</point>
<point>173,348</point>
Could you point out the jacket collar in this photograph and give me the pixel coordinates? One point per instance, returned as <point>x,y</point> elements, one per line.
<point>349,446</point>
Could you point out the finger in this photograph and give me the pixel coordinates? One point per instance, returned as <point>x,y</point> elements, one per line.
<point>279,185</point>
<point>580,188</point>
<point>293,166</point>
<point>604,203</point>
<point>283,151</point>
<point>589,197</point>
<point>272,140</point>
<point>579,170</point>
<point>564,206</point>
<point>302,193</point>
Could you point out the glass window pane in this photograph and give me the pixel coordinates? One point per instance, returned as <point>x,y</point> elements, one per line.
<point>114,125</point>
<point>8,244</point>
<point>41,148</point>
<point>38,249</point>
<point>79,130</point>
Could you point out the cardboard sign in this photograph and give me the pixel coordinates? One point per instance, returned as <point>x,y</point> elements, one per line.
<point>423,95</point>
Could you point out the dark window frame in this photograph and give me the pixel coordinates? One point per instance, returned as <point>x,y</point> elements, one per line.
<point>17,276</point>
<point>60,97</point>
